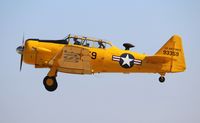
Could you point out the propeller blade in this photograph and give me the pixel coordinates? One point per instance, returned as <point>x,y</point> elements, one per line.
<point>23,40</point>
<point>21,62</point>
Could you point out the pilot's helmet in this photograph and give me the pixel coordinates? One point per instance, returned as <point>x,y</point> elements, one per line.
<point>75,38</point>
<point>100,41</point>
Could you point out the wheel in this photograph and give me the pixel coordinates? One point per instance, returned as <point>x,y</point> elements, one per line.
<point>50,83</point>
<point>162,79</point>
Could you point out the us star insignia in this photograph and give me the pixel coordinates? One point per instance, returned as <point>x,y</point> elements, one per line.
<point>127,60</point>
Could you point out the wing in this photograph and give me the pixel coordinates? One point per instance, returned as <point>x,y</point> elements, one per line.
<point>72,59</point>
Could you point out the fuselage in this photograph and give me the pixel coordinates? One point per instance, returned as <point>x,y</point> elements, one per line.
<point>109,59</point>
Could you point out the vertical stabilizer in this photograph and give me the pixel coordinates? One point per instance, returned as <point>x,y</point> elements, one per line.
<point>174,49</point>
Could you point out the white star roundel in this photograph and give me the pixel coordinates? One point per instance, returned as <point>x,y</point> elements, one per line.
<point>126,60</point>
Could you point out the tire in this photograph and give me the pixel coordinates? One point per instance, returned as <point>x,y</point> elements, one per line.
<point>50,83</point>
<point>161,79</point>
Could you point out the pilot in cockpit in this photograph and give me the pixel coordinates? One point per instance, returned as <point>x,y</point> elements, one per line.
<point>76,42</point>
<point>101,45</point>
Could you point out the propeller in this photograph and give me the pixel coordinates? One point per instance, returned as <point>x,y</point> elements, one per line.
<point>21,62</point>
<point>20,50</point>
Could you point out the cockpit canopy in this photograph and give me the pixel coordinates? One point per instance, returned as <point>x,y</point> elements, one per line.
<point>87,41</point>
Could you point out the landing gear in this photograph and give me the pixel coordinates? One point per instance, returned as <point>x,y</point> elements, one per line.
<point>50,83</point>
<point>162,79</point>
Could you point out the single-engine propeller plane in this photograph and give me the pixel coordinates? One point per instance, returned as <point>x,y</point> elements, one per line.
<point>83,55</point>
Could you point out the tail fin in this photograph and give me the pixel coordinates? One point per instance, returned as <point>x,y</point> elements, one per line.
<point>173,48</point>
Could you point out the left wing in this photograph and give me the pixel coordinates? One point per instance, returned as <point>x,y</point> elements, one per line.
<point>72,59</point>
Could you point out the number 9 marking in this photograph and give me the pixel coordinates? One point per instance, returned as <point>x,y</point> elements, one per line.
<point>94,55</point>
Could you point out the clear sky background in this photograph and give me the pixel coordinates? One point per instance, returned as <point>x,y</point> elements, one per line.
<point>100,98</point>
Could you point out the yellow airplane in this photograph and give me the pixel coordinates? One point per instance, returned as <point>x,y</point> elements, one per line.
<point>83,55</point>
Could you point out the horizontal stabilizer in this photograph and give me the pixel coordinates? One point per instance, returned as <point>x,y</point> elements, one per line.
<point>157,59</point>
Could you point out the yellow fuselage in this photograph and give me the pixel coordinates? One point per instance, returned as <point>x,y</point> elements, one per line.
<point>102,60</point>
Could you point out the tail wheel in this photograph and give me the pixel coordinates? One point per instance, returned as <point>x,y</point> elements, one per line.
<point>50,83</point>
<point>162,79</point>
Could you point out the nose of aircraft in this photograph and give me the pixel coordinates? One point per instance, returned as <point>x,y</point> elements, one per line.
<point>20,50</point>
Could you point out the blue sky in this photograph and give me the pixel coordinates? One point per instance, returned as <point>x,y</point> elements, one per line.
<point>108,98</point>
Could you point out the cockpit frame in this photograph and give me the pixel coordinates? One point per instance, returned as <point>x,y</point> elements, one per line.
<point>87,41</point>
